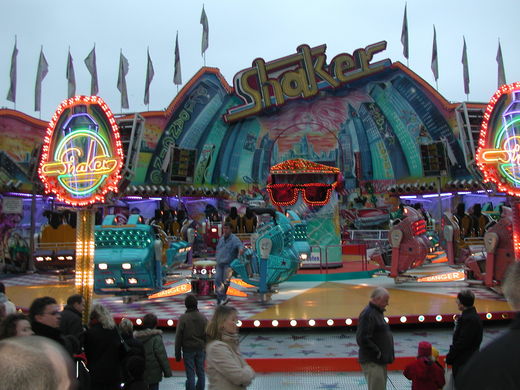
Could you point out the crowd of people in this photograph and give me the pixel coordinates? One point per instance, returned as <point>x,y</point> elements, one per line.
<point>55,344</point>
<point>52,349</point>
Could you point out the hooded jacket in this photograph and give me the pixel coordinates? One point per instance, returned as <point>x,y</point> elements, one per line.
<point>155,355</point>
<point>425,374</point>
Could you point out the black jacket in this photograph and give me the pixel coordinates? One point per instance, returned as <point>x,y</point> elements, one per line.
<point>70,343</point>
<point>104,355</point>
<point>135,348</point>
<point>375,340</point>
<point>496,366</point>
<point>466,339</point>
<point>70,322</point>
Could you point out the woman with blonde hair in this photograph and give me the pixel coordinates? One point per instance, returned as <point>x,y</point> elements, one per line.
<point>104,350</point>
<point>226,369</point>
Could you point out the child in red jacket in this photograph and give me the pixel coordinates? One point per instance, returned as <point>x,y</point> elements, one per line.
<point>424,373</point>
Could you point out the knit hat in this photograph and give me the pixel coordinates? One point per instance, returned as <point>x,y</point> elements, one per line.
<point>191,302</point>
<point>425,349</point>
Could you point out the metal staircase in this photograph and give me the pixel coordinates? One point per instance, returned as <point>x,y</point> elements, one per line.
<point>131,130</point>
<point>469,118</point>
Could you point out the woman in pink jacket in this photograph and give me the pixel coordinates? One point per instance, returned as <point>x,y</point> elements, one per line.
<point>226,369</point>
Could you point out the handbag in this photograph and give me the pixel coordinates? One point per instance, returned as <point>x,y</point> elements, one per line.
<point>125,348</point>
<point>82,372</point>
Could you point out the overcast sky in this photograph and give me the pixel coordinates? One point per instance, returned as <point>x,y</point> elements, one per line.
<point>240,31</point>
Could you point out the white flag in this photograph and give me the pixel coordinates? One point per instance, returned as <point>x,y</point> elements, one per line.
<point>177,78</point>
<point>501,71</point>
<point>121,80</point>
<point>435,61</point>
<point>11,95</point>
<point>90,62</point>
<point>205,31</point>
<point>71,88</point>
<point>404,35</point>
<point>43,69</point>
<point>149,76</point>
<point>465,67</point>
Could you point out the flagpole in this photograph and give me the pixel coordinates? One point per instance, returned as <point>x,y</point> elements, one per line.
<point>204,56</point>
<point>40,112</point>
<point>121,100</point>
<point>15,42</point>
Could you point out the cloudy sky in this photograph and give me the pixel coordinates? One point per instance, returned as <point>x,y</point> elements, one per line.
<point>240,31</point>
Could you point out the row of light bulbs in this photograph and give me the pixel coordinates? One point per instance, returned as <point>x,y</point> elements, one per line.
<point>347,321</point>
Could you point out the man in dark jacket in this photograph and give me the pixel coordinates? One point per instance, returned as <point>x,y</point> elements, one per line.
<point>468,332</point>
<point>190,337</point>
<point>375,340</point>
<point>44,314</point>
<point>70,322</point>
<point>496,365</point>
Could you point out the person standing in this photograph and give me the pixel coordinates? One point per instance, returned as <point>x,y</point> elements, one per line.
<point>10,307</point>
<point>155,356</point>
<point>496,365</point>
<point>375,340</point>
<point>229,247</point>
<point>225,366</point>
<point>70,322</point>
<point>15,325</point>
<point>103,350</point>
<point>468,332</point>
<point>45,317</point>
<point>190,338</point>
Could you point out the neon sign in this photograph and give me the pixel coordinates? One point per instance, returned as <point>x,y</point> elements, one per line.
<point>498,155</point>
<point>314,194</point>
<point>300,75</point>
<point>82,154</point>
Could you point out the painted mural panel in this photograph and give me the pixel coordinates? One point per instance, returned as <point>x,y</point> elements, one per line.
<point>369,124</point>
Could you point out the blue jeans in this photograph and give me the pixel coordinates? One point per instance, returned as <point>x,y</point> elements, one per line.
<point>221,281</point>
<point>194,364</point>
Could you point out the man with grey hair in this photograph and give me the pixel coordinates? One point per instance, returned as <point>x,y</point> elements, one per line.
<point>375,340</point>
<point>34,362</point>
<point>496,365</point>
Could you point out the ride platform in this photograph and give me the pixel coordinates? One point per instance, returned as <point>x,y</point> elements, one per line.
<point>312,298</point>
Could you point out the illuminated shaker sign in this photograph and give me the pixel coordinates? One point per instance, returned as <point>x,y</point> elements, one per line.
<point>82,154</point>
<point>300,75</point>
<point>498,155</point>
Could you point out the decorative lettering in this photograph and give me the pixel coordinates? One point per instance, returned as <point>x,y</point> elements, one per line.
<point>300,75</point>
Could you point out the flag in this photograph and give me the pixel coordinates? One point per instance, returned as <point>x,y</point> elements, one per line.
<point>465,67</point>
<point>90,62</point>
<point>149,77</point>
<point>121,80</point>
<point>404,35</point>
<point>435,62</point>
<point>205,31</point>
<point>501,71</point>
<point>43,69</point>
<point>11,95</point>
<point>177,78</point>
<point>71,77</point>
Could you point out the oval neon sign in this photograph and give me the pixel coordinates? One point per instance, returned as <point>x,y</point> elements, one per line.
<point>498,155</point>
<point>82,154</point>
